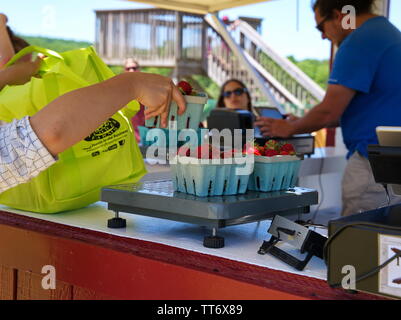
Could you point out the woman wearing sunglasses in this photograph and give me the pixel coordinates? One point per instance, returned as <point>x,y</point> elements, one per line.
<point>234,95</point>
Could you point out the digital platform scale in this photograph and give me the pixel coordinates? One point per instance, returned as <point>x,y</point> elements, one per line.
<point>158,199</point>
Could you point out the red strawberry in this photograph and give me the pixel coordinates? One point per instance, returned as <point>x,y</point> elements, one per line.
<point>271,153</point>
<point>184,151</point>
<point>287,147</point>
<point>284,153</point>
<point>185,86</point>
<point>253,148</point>
<point>226,154</point>
<point>260,149</point>
<point>207,151</point>
<point>272,145</point>
<point>230,153</point>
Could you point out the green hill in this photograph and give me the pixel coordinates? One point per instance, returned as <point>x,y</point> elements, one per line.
<point>59,45</point>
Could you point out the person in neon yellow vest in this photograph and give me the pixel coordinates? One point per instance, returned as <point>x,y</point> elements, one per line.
<point>70,118</point>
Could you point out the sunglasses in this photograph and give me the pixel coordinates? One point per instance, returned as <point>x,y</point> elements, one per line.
<point>237,92</point>
<point>320,26</point>
<point>132,69</point>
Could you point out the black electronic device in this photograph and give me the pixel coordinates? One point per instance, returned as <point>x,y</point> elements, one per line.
<point>301,237</point>
<point>369,243</point>
<point>385,163</point>
<point>363,252</point>
<point>269,112</point>
<point>224,118</point>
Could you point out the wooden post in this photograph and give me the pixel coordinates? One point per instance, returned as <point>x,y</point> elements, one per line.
<point>122,42</point>
<point>109,35</point>
<point>178,45</point>
<point>205,45</point>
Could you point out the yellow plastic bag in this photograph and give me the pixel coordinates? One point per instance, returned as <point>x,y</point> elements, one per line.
<point>110,155</point>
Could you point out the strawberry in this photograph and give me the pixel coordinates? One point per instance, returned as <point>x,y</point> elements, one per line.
<point>185,87</point>
<point>207,151</point>
<point>184,151</point>
<point>287,147</point>
<point>284,153</point>
<point>228,154</point>
<point>253,148</point>
<point>271,153</point>
<point>272,145</point>
<point>260,149</point>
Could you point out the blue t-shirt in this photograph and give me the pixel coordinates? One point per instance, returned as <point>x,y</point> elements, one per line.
<point>369,61</point>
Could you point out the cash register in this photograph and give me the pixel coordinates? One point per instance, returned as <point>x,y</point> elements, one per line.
<point>223,118</point>
<point>369,243</point>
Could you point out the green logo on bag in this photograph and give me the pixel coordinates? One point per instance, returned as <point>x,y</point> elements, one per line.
<point>107,129</point>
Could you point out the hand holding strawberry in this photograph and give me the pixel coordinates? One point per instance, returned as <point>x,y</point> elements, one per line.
<point>185,88</point>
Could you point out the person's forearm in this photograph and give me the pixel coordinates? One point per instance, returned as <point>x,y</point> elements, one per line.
<point>316,119</point>
<point>6,47</point>
<point>333,124</point>
<point>75,115</point>
<point>4,77</point>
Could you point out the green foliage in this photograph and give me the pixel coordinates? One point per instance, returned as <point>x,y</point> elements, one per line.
<point>162,71</point>
<point>207,85</point>
<point>58,45</point>
<point>117,69</point>
<point>317,70</point>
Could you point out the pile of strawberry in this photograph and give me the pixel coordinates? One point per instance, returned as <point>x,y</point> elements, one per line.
<point>207,151</point>
<point>186,89</point>
<point>270,149</point>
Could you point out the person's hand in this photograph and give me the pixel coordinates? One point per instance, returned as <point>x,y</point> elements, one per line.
<point>290,117</point>
<point>22,71</point>
<point>3,19</point>
<point>156,93</point>
<point>275,127</point>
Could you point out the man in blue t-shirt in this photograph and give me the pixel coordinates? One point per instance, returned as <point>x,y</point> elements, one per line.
<point>364,92</point>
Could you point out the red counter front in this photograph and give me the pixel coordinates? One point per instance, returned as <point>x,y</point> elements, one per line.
<point>96,265</point>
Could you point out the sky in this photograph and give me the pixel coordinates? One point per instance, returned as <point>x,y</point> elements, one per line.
<point>75,19</point>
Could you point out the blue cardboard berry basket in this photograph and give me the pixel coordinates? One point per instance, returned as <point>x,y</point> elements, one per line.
<point>203,177</point>
<point>189,120</point>
<point>274,173</point>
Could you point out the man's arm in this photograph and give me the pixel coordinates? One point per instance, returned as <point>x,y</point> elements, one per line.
<point>75,115</point>
<point>325,114</point>
<point>6,47</point>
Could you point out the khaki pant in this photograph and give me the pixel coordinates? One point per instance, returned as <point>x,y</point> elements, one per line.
<point>360,192</point>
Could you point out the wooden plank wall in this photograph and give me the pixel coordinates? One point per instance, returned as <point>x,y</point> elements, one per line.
<point>25,285</point>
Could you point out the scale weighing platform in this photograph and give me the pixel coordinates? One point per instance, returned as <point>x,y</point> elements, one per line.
<point>158,199</point>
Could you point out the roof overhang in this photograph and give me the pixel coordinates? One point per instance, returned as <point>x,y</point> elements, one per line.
<point>199,6</point>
